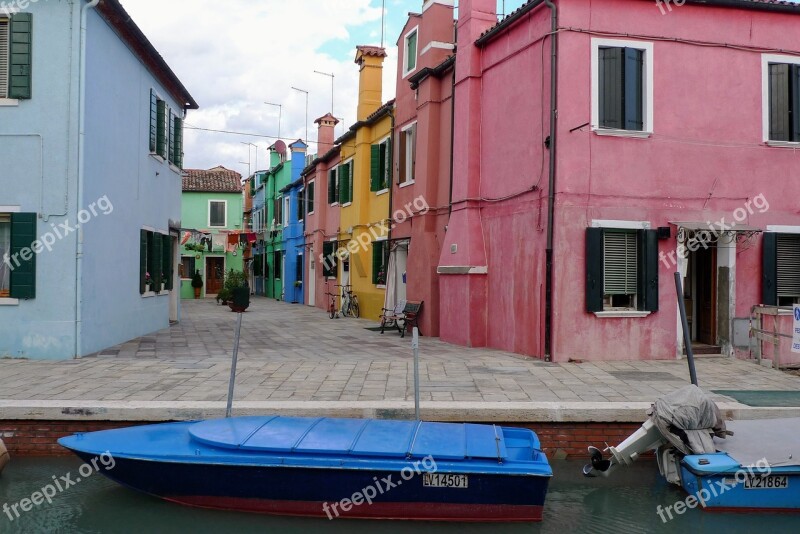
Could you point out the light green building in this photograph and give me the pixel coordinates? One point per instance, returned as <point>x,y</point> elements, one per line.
<point>211,225</point>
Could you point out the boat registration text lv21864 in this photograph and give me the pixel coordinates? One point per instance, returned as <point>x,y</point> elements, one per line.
<point>766,482</point>
<point>444,480</point>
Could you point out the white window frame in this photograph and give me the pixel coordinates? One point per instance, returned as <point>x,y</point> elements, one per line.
<point>409,159</point>
<point>766,59</point>
<point>315,198</point>
<point>301,213</point>
<point>8,210</point>
<point>406,70</point>
<point>225,222</point>
<point>287,205</point>
<point>647,82</point>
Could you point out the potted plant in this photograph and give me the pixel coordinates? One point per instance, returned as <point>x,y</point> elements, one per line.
<point>197,284</point>
<point>224,296</point>
<point>239,291</point>
<point>149,281</point>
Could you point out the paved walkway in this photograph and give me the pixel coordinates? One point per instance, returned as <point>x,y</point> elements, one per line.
<point>291,353</point>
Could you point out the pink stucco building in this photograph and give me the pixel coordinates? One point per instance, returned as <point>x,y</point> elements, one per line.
<point>322,218</point>
<point>422,156</point>
<point>573,207</point>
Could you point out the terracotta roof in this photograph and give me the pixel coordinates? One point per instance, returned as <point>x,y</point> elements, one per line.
<point>327,117</point>
<point>366,50</point>
<point>218,180</point>
<point>783,6</point>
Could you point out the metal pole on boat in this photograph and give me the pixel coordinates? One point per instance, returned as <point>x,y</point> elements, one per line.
<point>687,337</point>
<point>415,346</point>
<point>233,364</point>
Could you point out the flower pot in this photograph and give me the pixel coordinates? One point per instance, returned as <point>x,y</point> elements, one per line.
<point>197,292</point>
<point>241,299</point>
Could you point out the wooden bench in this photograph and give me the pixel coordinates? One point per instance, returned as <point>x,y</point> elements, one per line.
<point>404,317</point>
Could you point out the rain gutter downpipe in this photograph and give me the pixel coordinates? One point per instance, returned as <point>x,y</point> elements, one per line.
<point>81,171</point>
<point>548,325</point>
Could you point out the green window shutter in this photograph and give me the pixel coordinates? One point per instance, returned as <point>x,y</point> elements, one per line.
<point>155,250</point>
<point>23,276</point>
<point>177,155</point>
<point>350,182</point>
<point>387,181</point>
<point>20,53</point>
<point>769,270</point>
<point>375,168</point>
<point>779,102</point>
<point>634,69</point>
<point>142,260</point>
<point>648,271</point>
<point>795,111</point>
<point>153,120</point>
<point>379,254</point>
<point>161,131</point>
<point>310,197</point>
<point>611,80</point>
<point>594,269</point>
<point>331,187</point>
<point>171,136</point>
<point>341,178</point>
<point>166,260</point>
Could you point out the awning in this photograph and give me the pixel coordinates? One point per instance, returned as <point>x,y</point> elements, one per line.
<point>719,226</point>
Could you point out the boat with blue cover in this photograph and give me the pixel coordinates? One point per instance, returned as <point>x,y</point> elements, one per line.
<point>331,467</point>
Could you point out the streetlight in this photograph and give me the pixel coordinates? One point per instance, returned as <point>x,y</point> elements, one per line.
<point>280,112</point>
<point>330,75</point>
<point>248,152</point>
<point>306,92</point>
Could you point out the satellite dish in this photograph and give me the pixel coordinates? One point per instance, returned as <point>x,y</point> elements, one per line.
<point>280,147</point>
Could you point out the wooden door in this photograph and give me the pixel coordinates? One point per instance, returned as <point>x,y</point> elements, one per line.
<point>215,275</point>
<point>706,298</point>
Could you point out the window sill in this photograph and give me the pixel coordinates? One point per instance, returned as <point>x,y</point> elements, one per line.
<point>335,204</point>
<point>613,132</point>
<point>346,204</point>
<point>310,213</point>
<point>783,144</point>
<point>175,168</point>
<point>406,184</point>
<point>621,313</point>
<point>380,286</point>
<point>4,301</point>
<point>148,294</point>
<point>9,102</point>
<point>157,157</point>
<point>382,192</point>
<point>162,293</point>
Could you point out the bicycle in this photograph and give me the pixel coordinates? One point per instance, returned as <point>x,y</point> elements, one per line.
<point>332,311</point>
<point>349,302</point>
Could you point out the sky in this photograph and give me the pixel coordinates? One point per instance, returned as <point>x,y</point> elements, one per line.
<point>233,59</point>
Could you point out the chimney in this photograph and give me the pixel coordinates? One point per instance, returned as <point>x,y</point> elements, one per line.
<point>325,133</point>
<point>370,79</point>
<point>298,158</point>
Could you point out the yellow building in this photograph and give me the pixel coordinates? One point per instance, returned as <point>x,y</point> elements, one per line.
<point>364,184</point>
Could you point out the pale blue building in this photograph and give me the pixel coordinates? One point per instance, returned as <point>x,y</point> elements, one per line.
<point>91,140</point>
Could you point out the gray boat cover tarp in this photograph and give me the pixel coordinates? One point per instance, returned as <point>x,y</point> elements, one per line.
<point>777,440</point>
<point>691,412</point>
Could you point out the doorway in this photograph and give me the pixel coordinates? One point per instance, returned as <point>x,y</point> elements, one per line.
<point>703,268</point>
<point>215,274</point>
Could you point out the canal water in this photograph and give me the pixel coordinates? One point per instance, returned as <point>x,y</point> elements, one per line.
<point>625,503</point>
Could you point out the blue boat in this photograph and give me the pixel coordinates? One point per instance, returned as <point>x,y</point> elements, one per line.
<point>331,467</point>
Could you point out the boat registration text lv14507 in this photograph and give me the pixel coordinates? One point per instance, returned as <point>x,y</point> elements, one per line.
<point>444,480</point>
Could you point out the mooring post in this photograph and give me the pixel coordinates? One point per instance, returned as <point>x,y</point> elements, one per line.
<point>687,336</point>
<point>415,347</point>
<point>233,364</point>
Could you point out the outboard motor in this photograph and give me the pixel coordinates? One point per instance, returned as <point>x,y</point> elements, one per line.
<point>682,422</point>
<point>4,458</point>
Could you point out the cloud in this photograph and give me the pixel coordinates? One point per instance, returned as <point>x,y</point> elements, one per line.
<point>234,58</point>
